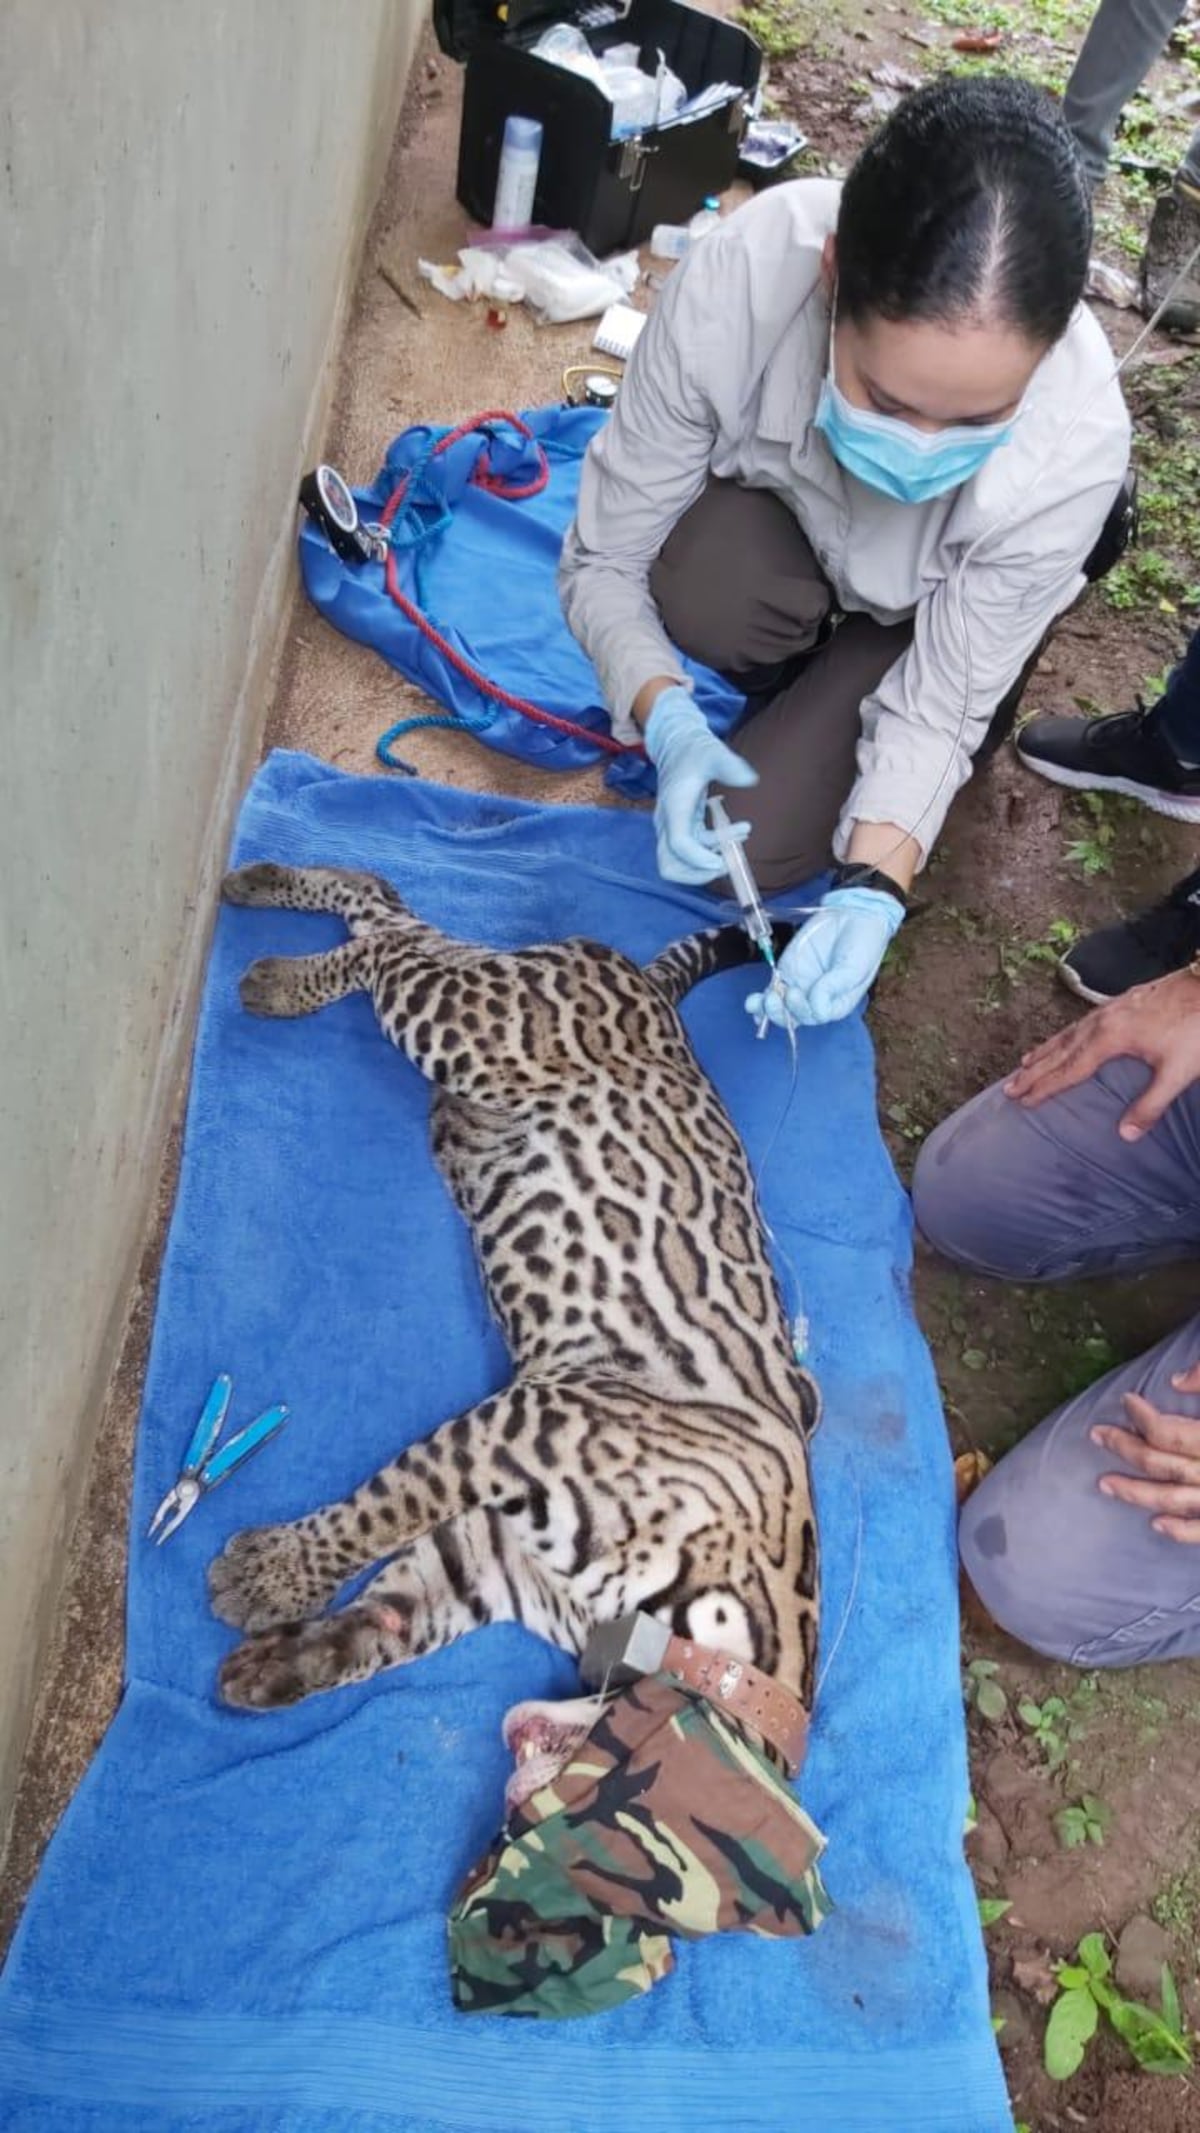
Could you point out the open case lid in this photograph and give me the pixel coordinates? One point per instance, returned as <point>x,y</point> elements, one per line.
<point>461,26</point>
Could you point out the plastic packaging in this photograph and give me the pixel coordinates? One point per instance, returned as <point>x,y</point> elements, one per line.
<point>478,273</point>
<point>555,274</point>
<point>634,100</point>
<point>565,46</point>
<point>516,182</point>
<point>561,280</point>
<point>769,145</point>
<point>638,99</point>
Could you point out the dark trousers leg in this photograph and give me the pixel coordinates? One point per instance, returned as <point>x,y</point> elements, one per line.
<point>804,748</point>
<point>739,588</point>
<point>1176,718</point>
<point>1041,1196</point>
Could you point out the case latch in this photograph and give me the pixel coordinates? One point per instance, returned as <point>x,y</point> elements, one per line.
<point>635,153</point>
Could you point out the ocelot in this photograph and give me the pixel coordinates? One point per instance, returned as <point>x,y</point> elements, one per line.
<point>651,1449</point>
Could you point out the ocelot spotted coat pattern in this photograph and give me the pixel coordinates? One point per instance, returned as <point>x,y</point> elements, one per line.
<point>651,1449</point>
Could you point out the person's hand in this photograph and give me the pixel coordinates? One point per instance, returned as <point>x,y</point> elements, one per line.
<point>1164,1452</point>
<point>689,758</point>
<point>830,965</point>
<point>1159,1023</point>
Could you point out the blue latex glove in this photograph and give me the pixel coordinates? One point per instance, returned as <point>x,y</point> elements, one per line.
<point>688,758</point>
<point>831,964</point>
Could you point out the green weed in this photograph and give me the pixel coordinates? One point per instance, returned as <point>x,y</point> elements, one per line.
<point>1050,1725</point>
<point>982,1689</point>
<point>907,1124</point>
<point>1086,1821</point>
<point>1157,2040</point>
<point>1092,854</point>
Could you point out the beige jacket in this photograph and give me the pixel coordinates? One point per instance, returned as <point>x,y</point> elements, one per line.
<point>725,378</point>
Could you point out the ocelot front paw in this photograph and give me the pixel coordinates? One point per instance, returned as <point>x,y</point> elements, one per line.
<point>270,987</point>
<point>295,1662</point>
<point>269,1574</point>
<point>262,883</point>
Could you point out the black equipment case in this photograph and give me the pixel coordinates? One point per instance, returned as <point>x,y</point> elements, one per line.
<point>612,192</point>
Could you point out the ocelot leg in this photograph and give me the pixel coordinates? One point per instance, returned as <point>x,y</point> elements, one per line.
<point>363,900</point>
<point>273,1574</point>
<point>448,1582</point>
<point>288,985</point>
<point>465,1573</point>
<point>481,1025</point>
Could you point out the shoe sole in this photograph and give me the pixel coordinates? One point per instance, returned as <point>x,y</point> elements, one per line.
<point>1074,983</point>
<point>1175,805</point>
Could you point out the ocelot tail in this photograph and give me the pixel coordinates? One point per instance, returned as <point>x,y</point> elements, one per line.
<point>651,1449</point>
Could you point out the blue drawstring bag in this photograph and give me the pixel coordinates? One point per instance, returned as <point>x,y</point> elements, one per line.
<point>471,613</point>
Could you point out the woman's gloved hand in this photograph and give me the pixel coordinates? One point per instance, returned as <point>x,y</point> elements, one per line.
<point>688,758</point>
<point>831,964</point>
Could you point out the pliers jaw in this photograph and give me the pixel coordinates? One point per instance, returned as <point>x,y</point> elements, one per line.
<point>173,1509</point>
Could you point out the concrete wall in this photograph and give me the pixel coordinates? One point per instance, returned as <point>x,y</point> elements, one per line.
<point>183,197</point>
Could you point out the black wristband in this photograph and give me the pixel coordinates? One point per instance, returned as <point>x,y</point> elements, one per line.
<point>852,874</point>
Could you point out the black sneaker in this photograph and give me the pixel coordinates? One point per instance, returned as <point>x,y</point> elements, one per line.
<point>1121,753</point>
<point>1173,236</point>
<point>1150,945</point>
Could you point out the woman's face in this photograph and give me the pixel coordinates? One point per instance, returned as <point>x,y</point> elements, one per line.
<point>930,375</point>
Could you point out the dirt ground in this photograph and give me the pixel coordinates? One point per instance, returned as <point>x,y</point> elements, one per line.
<point>1020,869</point>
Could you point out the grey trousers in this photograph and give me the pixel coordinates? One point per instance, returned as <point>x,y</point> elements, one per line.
<point>739,589</point>
<point>1123,41</point>
<point>1042,1196</point>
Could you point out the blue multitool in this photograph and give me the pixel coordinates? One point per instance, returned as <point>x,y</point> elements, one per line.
<point>204,1466</point>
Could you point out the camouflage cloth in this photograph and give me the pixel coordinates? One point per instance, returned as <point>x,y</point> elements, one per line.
<point>664,1820</point>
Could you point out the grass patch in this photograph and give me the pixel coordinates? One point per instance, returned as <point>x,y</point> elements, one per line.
<point>1177,1905</point>
<point>1162,573</point>
<point>781,29</point>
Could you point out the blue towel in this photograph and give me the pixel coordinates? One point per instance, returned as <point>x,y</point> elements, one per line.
<point>241,1922</point>
<point>481,566</point>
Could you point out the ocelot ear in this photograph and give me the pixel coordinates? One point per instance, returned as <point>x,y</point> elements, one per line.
<point>810,1402</point>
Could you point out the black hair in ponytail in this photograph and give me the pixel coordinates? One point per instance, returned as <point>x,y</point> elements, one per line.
<point>970,202</point>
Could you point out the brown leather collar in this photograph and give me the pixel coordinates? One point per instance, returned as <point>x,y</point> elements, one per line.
<point>751,1697</point>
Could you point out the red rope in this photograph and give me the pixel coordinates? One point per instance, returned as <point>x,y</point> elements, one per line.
<point>495,484</point>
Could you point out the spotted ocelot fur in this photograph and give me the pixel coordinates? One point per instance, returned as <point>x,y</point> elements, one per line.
<point>651,1449</point>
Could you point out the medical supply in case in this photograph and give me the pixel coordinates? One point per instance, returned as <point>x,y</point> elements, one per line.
<point>516,182</point>
<point>619,152</point>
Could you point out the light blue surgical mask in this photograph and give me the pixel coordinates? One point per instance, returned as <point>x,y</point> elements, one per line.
<point>906,464</point>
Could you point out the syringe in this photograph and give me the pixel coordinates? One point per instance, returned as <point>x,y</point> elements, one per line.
<point>745,888</point>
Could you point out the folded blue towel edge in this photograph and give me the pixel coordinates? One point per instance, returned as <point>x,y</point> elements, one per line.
<point>313,2063</point>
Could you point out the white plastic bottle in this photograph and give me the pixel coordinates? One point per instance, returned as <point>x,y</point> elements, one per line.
<point>516,182</point>
<point>670,240</point>
<point>705,220</point>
